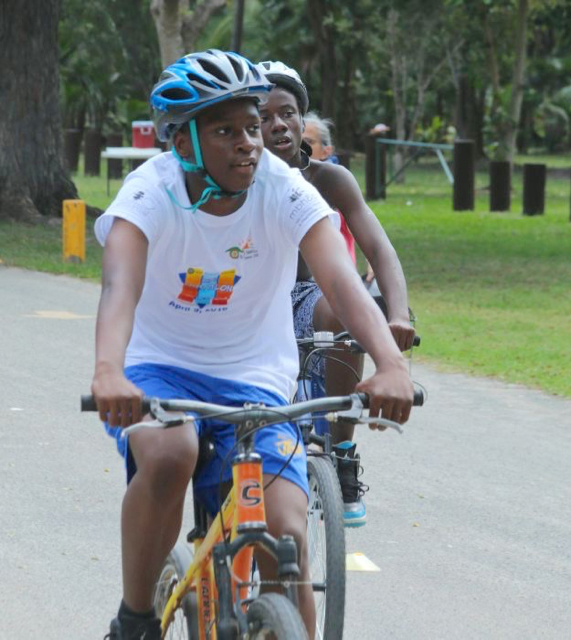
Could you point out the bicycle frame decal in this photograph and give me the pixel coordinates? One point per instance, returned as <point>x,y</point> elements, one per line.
<point>250,493</point>
<point>206,600</point>
<point>250,502</point>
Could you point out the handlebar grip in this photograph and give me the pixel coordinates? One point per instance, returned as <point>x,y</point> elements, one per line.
<point>416,341</point>
<point>88,404</point>
<point>417,402</point>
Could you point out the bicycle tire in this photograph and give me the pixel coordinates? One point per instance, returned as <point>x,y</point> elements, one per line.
<point>184,624</point>
<point>273,616</point>
<point>326,547</point>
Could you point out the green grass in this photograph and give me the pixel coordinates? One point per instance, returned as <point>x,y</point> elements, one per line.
<point>492,291</point>
<point>39,247</point>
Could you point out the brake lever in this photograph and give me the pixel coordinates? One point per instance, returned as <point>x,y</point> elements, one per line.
<point>175,419</point>
<point>168,419</point>
<point>355,414</point>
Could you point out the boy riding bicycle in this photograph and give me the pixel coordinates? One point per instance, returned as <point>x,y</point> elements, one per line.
<point>282,128</point>
<point>200,258</point>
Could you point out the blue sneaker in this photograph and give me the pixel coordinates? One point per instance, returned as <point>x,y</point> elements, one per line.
<point>348,470</point>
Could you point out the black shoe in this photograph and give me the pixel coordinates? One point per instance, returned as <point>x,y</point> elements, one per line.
<point>134,628</point>
<point>348,470</point>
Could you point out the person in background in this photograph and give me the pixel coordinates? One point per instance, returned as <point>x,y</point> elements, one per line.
<point>283,128</point>
<point>317,134</point>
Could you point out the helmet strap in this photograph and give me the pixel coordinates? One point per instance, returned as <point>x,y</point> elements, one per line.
<point>213,191</point>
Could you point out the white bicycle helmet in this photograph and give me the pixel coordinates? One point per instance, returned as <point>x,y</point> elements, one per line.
<point>283,76</point>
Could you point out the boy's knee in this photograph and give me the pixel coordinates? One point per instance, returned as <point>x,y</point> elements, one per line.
<point>290,524</point>
<point>168,470</point>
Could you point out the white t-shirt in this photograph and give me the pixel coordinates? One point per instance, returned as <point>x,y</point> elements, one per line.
<point>216,298</point>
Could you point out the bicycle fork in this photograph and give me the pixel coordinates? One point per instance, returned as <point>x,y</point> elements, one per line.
<point>249,530</point>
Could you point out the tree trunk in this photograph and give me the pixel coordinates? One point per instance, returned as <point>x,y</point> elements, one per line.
<point>399,87</point>
<point>238,27</point>
<point>33,179</point>
<point>325,41</point>
<point>345,111</point>
<point>168,21</point>
<point>507,142</point>
<point>178,28</point>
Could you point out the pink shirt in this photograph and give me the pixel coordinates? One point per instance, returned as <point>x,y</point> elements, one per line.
<point>349,239</point>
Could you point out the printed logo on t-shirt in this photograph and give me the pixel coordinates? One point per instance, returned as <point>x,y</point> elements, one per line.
<point>203,290</point>
<point>295,195</point>
<point>304,205</point>
<point>243,251</point>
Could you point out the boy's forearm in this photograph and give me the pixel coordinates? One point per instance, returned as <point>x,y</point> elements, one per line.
<point>362,318</point>
<point>391,282</point>
<point>113,330</point>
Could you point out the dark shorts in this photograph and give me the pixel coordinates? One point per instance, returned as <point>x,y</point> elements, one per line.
<point>305,295</point>
<point>274,443</point>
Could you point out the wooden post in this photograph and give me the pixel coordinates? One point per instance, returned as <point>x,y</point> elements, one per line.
<point>72,145</point>
<point>73,231</point>
<point>381,170</point>
<point>115,167</point>
<point>500,185</point>
<point>534,176</point>
<point>92,152</point>
<point>464,168</point>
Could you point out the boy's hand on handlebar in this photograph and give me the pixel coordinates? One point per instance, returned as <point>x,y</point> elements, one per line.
<point>390,393</point>
<point>403,333</point>
<point>118,399</point>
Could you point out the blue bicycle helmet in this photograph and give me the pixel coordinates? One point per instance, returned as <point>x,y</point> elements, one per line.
<point>192,84</point>
<point>200,80</point>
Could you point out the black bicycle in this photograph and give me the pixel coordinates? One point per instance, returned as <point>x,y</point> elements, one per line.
<point>325,525</point>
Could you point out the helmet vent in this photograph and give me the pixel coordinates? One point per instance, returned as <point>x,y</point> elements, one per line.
<point>176,93</point>
<point>238,69</point>
<point>213,70</point>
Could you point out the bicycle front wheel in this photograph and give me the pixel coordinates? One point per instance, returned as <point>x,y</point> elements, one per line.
<point>272,616</point>
<point>184,624</point>
<point>326,547</point>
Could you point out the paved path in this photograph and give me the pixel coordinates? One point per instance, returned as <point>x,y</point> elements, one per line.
<point>469,510</point>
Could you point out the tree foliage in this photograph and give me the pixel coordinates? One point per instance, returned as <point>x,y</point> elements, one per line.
<point>420,66</point>
<point>108,62</point>
<point>497,71</point>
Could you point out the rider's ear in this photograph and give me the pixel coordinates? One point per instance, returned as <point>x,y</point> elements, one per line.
<point>183,144</point>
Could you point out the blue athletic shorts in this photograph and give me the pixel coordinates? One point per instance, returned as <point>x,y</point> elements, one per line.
<point>274,443</point>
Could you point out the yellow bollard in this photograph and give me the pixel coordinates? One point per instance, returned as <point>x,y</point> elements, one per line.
<point>73,229</point>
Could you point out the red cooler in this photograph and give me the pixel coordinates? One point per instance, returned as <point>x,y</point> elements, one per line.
<point>143,134</point>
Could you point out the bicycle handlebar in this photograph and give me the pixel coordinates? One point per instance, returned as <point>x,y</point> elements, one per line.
<point>237,415</point>
<point>326,339</point>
